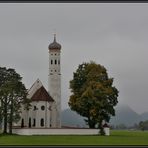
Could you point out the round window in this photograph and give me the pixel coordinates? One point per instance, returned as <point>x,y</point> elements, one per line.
<point>42,107</point>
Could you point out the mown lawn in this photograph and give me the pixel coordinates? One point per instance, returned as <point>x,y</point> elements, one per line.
<point>116,138</point>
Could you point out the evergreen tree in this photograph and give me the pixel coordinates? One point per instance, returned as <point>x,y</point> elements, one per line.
<point>12,95</point>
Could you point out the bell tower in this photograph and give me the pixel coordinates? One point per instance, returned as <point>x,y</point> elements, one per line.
<point>54,82</point>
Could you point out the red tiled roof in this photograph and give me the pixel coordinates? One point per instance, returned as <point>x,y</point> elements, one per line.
<point>41,95</point>
<point>105,125</point>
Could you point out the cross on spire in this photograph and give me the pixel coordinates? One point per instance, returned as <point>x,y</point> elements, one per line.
<point>54,35</point>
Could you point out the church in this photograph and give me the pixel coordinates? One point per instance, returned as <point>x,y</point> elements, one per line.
<point>44,115</point>
<point>45,110</point>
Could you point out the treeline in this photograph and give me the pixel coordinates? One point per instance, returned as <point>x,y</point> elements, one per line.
<point>142,125</point>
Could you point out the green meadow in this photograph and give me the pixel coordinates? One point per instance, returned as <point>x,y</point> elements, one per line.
<point>116,138</point>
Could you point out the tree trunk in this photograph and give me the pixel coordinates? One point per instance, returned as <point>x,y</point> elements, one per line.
<point>5,116</point>
<point>11,117</point>
<point>101,128</point>
<point>91,123</point>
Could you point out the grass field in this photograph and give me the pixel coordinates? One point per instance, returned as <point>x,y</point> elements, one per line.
<point>116,138</point>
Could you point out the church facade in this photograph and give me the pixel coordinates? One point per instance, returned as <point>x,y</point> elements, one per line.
<point>45,109</point>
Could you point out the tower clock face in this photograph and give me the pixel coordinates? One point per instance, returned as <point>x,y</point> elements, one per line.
<point>55,86</point>
<point>55,78</point>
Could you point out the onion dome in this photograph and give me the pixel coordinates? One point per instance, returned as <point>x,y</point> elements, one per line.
<point>54,44</point>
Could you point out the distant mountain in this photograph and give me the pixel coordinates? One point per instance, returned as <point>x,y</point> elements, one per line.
<point>71,118</point>
<point>124,114</point>
<point>144,116</point>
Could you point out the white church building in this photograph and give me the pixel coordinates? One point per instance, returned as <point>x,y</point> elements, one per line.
<point>44,115</point>
<point>45,110</point>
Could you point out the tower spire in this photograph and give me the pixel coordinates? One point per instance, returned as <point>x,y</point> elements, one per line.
<point>54,37</point>
<point>54,44</point>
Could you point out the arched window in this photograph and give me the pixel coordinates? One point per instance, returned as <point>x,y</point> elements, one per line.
<point>22,123</point>
<point>58,61</point>
<point>42,122</point>
<point>29,124</point>
<point>34,122</point>
<point>35,108</point>
<point>55,61</point>
<point>42,107</point>
<point>51,62</point>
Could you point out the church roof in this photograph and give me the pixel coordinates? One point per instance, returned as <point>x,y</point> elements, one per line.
<point>36,85</point>
<point>54,45</point>
<point>105,125</point>
<point>41,95</point>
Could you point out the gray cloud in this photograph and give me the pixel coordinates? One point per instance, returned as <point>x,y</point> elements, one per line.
<point>114,35</point>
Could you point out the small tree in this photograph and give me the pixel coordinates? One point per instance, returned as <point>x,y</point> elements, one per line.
<point>143,125</point>
<point>93,95</point>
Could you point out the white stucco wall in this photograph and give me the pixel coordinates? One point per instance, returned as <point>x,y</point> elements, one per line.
<point>59,131</point>
<point>37,114</point>
<point>107,131</point>
<point>53,131</point>
<point>40,114</point>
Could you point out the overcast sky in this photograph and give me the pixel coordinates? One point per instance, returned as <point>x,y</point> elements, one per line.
<point>113,35</point>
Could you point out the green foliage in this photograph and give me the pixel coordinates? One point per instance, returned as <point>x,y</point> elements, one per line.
<point>93,95</point>
<point>143,125</point>
<point>12,95</point>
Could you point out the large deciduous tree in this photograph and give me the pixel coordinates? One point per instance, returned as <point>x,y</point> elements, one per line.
<point>93,94</point>
<point>12,95</point>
